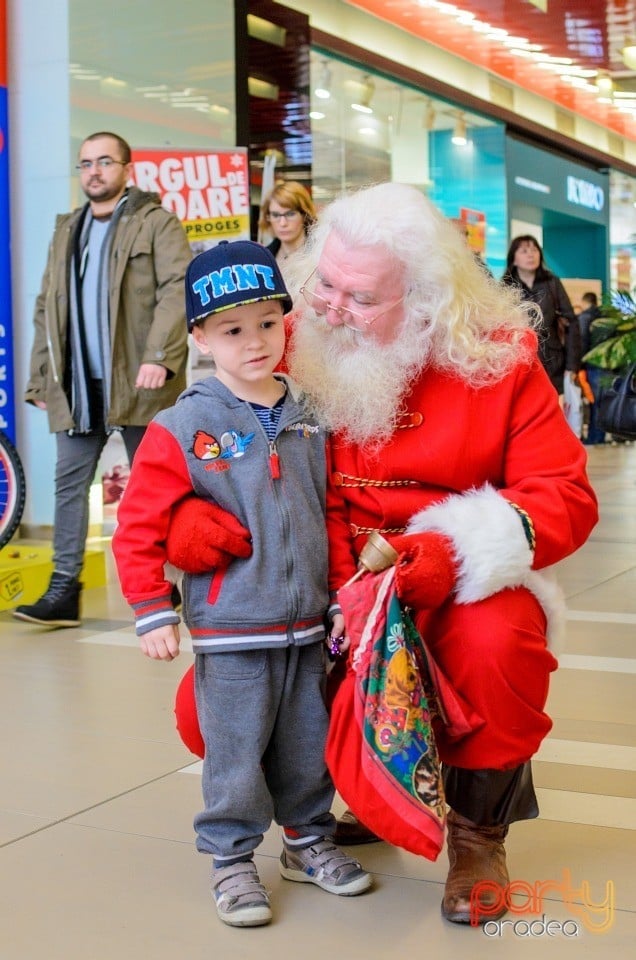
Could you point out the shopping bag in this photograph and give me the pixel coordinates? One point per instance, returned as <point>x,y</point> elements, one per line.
<point>573,405</point>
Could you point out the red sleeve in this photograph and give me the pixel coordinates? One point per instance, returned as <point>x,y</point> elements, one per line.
<point>342,560</point>
<point>158,479</point>
<point>545,471</point>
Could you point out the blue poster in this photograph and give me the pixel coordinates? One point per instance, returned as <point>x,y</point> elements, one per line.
<point>7,400</point>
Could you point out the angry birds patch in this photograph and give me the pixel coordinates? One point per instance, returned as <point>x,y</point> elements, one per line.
<point>232,445</point>
<point>205,446</point>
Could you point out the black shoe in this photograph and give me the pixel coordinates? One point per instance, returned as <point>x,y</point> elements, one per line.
<point>350,832</point>
<point>59,607</point>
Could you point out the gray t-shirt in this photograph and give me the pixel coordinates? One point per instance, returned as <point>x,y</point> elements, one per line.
<point>90,279</point>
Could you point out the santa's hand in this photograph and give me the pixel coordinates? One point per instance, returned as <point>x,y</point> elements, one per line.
<point>204,537</point>
<point>425,572</point>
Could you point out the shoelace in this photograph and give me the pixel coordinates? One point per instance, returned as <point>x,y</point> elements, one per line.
<point>58,587</point>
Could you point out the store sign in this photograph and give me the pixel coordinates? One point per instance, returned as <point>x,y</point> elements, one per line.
<point>550,182</point>
<point>585,194</point>
<point>532,184</point>
<point>207,190</point>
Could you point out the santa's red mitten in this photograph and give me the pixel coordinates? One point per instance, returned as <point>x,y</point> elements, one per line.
<point>204,537</point>
<point>425,571</point>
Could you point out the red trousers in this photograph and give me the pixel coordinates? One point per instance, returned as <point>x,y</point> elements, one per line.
<point>493,655</point>
<point>495,667</point>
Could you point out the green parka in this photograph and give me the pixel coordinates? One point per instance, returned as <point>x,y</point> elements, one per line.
<point>148,260</point>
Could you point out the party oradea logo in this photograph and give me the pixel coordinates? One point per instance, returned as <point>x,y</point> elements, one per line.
<point>529,899</point>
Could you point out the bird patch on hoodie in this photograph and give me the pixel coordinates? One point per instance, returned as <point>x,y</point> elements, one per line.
<point>232,445</point>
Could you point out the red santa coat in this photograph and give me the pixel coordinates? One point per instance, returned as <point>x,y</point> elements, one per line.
<point>499,471</point>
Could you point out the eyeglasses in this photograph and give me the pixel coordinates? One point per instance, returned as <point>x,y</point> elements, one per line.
<point>353,319</point>
<point>102,162</point>
<point>287,215</point>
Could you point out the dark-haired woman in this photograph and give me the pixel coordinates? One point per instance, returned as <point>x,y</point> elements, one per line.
<point>559,335</point>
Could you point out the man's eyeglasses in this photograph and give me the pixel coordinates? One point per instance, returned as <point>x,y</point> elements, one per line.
<point>354,319</point>
<point>287,215</point>
<point>102,162</point>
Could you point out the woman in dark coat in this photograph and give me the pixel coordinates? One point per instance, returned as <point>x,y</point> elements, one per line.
<point>559,335</point>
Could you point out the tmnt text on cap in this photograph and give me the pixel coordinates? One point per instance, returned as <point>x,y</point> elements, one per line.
<point>232,274</point>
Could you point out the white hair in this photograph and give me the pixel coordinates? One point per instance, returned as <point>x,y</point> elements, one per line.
<point>456,317</point>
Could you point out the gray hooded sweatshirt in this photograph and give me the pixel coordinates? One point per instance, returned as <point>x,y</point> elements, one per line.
<point>211,443</point>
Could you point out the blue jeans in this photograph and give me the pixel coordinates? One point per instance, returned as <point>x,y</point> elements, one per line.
<point>594,377</point>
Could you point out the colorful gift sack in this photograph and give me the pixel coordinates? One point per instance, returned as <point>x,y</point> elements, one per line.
<point>381,750</point>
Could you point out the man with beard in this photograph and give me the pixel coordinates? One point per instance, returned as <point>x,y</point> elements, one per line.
<point>447,439</point>
<point>110,344</point>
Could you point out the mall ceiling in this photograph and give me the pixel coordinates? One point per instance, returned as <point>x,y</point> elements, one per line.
<point>592,32</point>
<point>569,51</point>
<point>128,62</point>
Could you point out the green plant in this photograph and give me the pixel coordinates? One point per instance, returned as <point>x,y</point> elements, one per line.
<point>613,334</point>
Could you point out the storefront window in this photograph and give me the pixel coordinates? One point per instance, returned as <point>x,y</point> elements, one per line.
<point>622,231</point>
<point>156,73</point>
<point>367,128</point>
<point>161,76</point>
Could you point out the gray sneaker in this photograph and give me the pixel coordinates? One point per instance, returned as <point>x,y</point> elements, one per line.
<point>324,864</point>
<point>241,899</point>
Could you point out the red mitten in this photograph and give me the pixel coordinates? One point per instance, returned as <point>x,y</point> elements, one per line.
<point>204,537</point>
<point>425,572</point>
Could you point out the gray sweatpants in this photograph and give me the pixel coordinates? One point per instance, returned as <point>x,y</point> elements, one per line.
<point>264,722</point>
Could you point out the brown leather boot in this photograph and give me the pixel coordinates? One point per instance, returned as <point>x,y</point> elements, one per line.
<point>474,853</point>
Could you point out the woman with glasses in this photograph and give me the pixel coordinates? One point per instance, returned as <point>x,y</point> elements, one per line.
<point>287,212</point>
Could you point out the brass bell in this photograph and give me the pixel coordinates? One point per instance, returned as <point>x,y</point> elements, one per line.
<point>376,555</point>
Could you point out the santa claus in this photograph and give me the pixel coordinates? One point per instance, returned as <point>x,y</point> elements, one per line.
<point>448,440</point>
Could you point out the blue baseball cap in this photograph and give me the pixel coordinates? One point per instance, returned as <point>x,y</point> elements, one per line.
<point>232,274</point>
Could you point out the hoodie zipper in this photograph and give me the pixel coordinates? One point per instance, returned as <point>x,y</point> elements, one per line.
<point>286,521</point>
<point>274,462</point>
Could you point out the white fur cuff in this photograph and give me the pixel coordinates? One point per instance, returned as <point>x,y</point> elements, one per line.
<point>492,552</point>
<point>491,548</point>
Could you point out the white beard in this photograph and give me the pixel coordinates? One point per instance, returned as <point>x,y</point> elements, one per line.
<point>356,386</point>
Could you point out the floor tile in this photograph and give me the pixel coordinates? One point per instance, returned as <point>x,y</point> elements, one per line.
<point>98,860</point>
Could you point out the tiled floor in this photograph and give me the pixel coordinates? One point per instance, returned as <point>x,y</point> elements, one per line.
<point>98,795</point>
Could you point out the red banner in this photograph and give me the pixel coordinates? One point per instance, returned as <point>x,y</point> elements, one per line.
<point>4,72</point>
<point>207,189</point>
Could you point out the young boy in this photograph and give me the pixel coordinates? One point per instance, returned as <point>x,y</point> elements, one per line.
<point>243,440</point>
